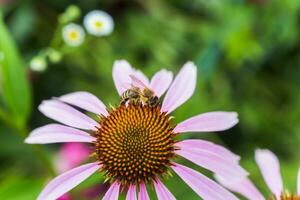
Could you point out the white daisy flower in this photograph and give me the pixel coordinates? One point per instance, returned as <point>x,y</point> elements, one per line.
<point>73,34</point>
<point>98,23</point>
<point>38,64</point>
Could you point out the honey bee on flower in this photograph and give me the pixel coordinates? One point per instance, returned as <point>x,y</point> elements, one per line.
<point>135,144</point>
<point>139,93</point>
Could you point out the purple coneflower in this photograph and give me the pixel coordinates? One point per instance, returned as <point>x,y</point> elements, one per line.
<point>135,143</point>
<point>269,166</point>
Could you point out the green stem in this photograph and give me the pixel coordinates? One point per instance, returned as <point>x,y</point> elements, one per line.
<point>22,132</point>
<point>40,152</point>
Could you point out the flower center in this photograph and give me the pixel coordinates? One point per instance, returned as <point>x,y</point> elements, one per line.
<point>135,143</point>
<point>287,196</point>
<point>98,24</point>
<point>73,35</point>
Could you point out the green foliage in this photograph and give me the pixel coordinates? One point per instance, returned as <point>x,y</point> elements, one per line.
<point>15,187</point>
<point>16,89</point>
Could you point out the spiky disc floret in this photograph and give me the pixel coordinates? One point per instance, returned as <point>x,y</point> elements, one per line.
<point>287,196</point>
<point>135,143</point>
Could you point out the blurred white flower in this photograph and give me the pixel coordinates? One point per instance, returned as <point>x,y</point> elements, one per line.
<point>73,34</point>
<point>98,23</point>
<point>38,64</point>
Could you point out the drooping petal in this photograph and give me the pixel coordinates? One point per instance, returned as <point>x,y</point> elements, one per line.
<point>298,182</point>
<point>212,159</point>
<point>244,186</point>
<point>161,81</point>
<point>203,186</point>
<point>67,181</point>
<point>143,194</point>
<point>269,166</point>
<point>181,89</point>
<point>131,194</point>
<point>67,115</point>
<point>162,191</point>
<point>71,155</point>
<point>121,71</point>
<point>208,122</point>
<point>209,146</point>
<point>86,101</point>
<point>113,192</point>
<point>56,133</point>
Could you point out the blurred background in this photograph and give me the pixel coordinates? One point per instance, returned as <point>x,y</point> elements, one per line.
<point>248,58</point>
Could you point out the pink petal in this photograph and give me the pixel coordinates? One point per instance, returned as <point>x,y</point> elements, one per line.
<point>137,82</point>
<point>208,122</point>
<point>298,182</point>
<point>86,101</point>
<point>121,72</point>
<point>113,192</point>
<point>143,194</point>
<point>71,155</point>
<point>141,76</point>
<point>212,159</point>
<point>181,89</point>
<point>161,81</point>
<point>244,186</point>
<point>162,191</point>
<point>131,194</point>
<point>67,181</point>
<point>56,133</point>
<point>203,186</point>
<point>209,146</point>
<point>270,169</point>
<point>67,115</point>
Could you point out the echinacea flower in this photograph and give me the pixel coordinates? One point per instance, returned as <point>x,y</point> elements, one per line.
<point>73,34</point>
<point>98,23</point>
<point>135,143</point>
<point>269,166</point>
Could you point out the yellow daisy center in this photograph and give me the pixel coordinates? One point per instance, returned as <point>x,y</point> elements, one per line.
<point>98,24</point>
<point>73,35</point>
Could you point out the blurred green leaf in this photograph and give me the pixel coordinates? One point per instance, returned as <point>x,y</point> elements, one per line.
<point>16,187</point>
<point>16,89</point>
<point>95,179</point>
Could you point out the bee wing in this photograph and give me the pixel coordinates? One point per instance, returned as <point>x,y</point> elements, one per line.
<point>126,86</point>
<point>137,82</point>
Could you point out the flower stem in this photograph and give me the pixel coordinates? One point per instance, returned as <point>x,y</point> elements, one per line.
<point>22,131</point>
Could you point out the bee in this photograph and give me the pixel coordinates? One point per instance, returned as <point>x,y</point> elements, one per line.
<point>148,97</point>
<point>131,95</point>
<point>139,93</point>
